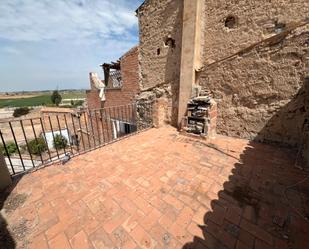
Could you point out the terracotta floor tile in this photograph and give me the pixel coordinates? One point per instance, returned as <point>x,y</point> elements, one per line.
<point>59,242</point>
<point>160,189</point>
<point>81,241</point>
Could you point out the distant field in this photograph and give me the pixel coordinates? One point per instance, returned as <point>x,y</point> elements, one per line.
<point>26,100</point>
<point>73,95</point>
<point>17,96</point>
<point>33,101</point>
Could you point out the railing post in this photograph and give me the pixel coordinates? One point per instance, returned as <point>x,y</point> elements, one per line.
<point>5,178</point>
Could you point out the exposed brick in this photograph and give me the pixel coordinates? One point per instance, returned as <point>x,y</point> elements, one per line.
<point>142,238</point>
<point>256,231</point>
<point>81,241</point>
<point>60,227</point>
<point>125,94</point>
<point>111,181</point>
<point>131,222</point>
<point>59,242</point>
<point>185,217</point>
<point>179,233</point>
<point>232,215</point>
<point>100,239</point>
<point>114,222</point>
<point>151,219</point>
<point>241,245</point>
<point>195,229</point>
<point>199,216</point>
<point>39,242</point>
<point>246,238</point>
<point>171,200</point>
<point>259,244</point>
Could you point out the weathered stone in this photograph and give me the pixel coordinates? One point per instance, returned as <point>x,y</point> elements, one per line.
<point>254,61</point>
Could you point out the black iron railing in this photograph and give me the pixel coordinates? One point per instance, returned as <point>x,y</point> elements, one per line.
<point>30,143</point>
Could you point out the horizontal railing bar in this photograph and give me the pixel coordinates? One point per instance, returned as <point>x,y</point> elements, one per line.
<point>17,119</point>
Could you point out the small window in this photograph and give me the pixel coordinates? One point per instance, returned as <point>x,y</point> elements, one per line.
<point>230,22</point>
<point>158,51</point>
<point>170,42</point>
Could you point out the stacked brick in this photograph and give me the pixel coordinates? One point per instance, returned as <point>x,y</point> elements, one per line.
<point>201,116</point>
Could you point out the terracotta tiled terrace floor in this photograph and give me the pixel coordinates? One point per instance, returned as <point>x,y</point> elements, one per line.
<point>159,189</point>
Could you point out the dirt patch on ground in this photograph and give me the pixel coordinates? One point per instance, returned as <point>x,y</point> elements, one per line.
<point>14,234</point>
<point>14,201</point>
<point>19,232</point>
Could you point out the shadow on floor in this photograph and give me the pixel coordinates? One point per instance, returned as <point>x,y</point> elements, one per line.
<point>265,202</point>
<point>7,204</point>
<point>260,206</point>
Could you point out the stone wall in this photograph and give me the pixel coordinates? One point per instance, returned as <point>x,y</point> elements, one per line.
<point>161,104</point>
<point>160,23</point>
<point>256,68</point>
<point>260,91</point>
<point>254,61</point>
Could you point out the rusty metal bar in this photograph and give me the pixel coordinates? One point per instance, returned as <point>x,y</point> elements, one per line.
<point>26,140</point>
<point>7,152</point>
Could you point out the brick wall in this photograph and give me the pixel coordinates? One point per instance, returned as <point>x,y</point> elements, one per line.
<point>130,87</point>
<point>93,99</point>
<point>130,78</point>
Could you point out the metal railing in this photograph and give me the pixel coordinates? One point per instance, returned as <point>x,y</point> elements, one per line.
<point>31,143</point>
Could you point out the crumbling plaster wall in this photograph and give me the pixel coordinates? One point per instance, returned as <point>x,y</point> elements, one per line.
<point>254,22</point>
<point>260,92</point>
<point>255,72</point>
<point>160,23</point>
<point>257,84</point>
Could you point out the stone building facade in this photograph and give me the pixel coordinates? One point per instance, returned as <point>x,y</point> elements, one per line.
<point>251,55</point>
<point>124,94</point>
<point>160,25</point>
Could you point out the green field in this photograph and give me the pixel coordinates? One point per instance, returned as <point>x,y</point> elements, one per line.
<point>33,101</point>
<point>37,100</point>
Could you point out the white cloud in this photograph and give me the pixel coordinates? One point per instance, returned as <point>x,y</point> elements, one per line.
<point>75,20</point>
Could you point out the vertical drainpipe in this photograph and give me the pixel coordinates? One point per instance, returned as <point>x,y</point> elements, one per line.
<point>190,53</point>
<point>5,178</point>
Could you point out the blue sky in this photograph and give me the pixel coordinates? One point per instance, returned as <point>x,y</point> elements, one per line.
<point>45,44</point>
